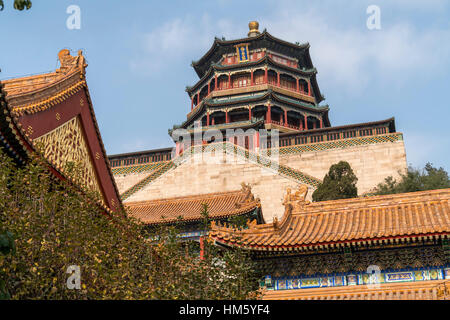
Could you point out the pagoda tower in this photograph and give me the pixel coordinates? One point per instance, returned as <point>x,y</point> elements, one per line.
<point>258,82</point>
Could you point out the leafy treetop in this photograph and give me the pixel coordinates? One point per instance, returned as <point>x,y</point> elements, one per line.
<point>338,183</point>
<point>18,4</point>
<point>429,178</point>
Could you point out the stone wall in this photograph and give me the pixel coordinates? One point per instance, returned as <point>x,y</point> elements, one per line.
<point>371,163</point>
<point>220,173</point>
<point>210,173</point>
<point>126,181</point>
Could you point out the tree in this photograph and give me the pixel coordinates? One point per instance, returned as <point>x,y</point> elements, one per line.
<point>429,178</point>
<point>18,4</point>
<point>338,183</point>
<point>56,226</point>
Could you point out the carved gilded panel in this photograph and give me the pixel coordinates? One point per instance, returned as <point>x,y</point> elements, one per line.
<point>66,145</point>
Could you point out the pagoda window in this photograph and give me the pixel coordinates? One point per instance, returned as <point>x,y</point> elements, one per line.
<point>272,77</point>
<point>222,82</point>
<point>288,82</point>
<point>242,80</point>
<point>258,76</point>
<point>219,117</point>
<point>303,86</point>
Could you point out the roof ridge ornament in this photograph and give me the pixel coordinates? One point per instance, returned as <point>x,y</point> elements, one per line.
<point>69,62</point>
<point>295,202</point>
<point>253,26</point>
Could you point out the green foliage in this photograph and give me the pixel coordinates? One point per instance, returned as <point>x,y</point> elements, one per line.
<point>429,178</point>
<point>56,227</point>
<point>18,4</point>
<point>338,183</point>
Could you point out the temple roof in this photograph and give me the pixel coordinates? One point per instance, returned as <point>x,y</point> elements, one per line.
<point>54,110</point>
<point>220,47</point>
<point>220,205</point>
<point>372,219</point>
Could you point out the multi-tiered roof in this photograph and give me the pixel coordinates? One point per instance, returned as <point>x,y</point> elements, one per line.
<point>258,82</point>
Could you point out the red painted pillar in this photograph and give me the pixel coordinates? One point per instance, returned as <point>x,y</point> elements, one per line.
<point>212,121</point>
<point>266,76</point>
<point>229,81</point>
<point>321,123</point>
<point>298,86</point>
<point>226,116</point>
<point>269,114</point>
<point>256,140</point>
<point>285,118</point>
<point>251,78</point>
<point>249,114</point>
<point>198,98</point>
<point>192,103</point>
<point>278,79</point>
<point>309,88</point>
<point>306,122</point>
<point>207,119</point>
<point>202,249</point>
<point>315,125</point>
<point>215,83</point>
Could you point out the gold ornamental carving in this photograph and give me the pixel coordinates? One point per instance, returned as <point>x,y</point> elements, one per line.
<point>66,145</point>
<point>295,202</point>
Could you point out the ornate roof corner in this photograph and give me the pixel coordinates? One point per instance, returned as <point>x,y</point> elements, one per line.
<point>69,62</point>
<point>275,223</point>
<point>251,223</point>
<point>246,189</point>
<point>294,203</point>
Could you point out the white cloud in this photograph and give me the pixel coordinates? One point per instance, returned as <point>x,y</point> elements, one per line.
<point>347,58</point>
<point>188,38</point>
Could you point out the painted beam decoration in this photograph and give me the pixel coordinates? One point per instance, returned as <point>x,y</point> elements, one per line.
<point>353,279</point>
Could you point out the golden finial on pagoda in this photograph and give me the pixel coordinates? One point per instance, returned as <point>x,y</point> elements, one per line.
<point>253,26</point>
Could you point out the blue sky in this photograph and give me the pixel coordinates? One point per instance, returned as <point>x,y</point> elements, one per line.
<point>139,55</point>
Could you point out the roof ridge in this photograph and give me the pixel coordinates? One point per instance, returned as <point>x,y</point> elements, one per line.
<point>187,198</point>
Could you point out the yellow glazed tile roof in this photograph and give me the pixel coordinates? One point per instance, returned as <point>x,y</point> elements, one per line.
<point>378,218</point>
